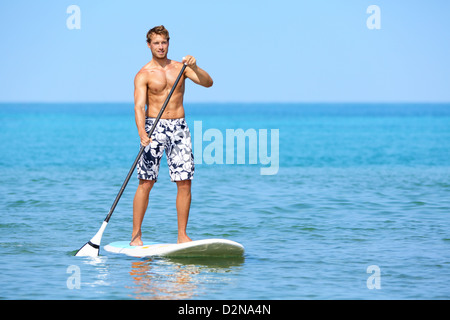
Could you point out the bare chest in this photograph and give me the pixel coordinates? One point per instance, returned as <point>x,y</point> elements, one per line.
<point>160,81</point>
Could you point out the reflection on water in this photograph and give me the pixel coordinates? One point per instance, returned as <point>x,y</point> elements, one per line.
<point>177,279</point>
<point>102,271</point>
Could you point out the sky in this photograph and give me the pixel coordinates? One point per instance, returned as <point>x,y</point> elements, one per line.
<point>256,51</point>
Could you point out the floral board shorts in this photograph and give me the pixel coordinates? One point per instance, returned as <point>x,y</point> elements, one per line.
<point>172,136</point>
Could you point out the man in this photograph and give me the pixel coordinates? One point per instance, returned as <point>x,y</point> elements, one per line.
<point>152,86</point>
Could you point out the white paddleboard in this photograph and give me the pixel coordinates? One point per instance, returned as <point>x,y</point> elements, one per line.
<point>197,248</point>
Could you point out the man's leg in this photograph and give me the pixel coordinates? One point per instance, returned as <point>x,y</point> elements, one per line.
<point>183,205</point>
<point>140,204</point>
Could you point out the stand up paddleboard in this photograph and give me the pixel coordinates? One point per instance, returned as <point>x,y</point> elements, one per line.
<point>197,248</point>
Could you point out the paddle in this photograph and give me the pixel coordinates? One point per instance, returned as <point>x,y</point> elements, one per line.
<point>92,247</point>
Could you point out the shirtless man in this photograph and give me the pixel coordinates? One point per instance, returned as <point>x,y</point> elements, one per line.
<point>152,86</point>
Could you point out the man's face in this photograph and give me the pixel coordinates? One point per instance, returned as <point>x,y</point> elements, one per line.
<point>159,46</point>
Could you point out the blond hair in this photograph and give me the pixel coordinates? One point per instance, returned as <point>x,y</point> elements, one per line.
<point>160,30</point>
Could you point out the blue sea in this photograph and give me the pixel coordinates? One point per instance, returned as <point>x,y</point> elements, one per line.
<point>357,206</point>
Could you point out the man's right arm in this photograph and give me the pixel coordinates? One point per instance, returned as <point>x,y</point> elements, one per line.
<point>140,98</point>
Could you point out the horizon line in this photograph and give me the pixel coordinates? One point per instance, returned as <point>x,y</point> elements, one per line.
<point>234,102</point>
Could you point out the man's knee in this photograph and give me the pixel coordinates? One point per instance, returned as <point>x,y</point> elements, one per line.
<point>184,185</point>
<point>146,185</point>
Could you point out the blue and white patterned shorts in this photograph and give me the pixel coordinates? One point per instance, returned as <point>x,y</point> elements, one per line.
<point>173,136</point>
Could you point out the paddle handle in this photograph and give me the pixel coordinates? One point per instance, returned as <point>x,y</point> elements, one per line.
<point>127,179</point>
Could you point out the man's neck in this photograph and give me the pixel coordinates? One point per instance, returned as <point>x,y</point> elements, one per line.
<point>161,62</point>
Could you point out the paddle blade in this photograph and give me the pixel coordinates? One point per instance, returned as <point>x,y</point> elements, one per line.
<point>88,250</point>
<point>92,248</point>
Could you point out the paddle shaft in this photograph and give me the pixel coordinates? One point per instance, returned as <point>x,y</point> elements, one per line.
<point>141,151</point>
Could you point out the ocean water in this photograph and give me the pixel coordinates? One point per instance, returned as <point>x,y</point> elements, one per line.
<point>359,207</point>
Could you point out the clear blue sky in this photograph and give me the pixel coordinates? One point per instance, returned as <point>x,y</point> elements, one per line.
<point>256,51</point>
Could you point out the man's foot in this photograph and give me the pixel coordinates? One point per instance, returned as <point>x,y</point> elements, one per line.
<point>182,239</point>
<point>136,240</point>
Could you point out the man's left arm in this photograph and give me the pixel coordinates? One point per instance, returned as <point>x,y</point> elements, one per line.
<point>195,73</point>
